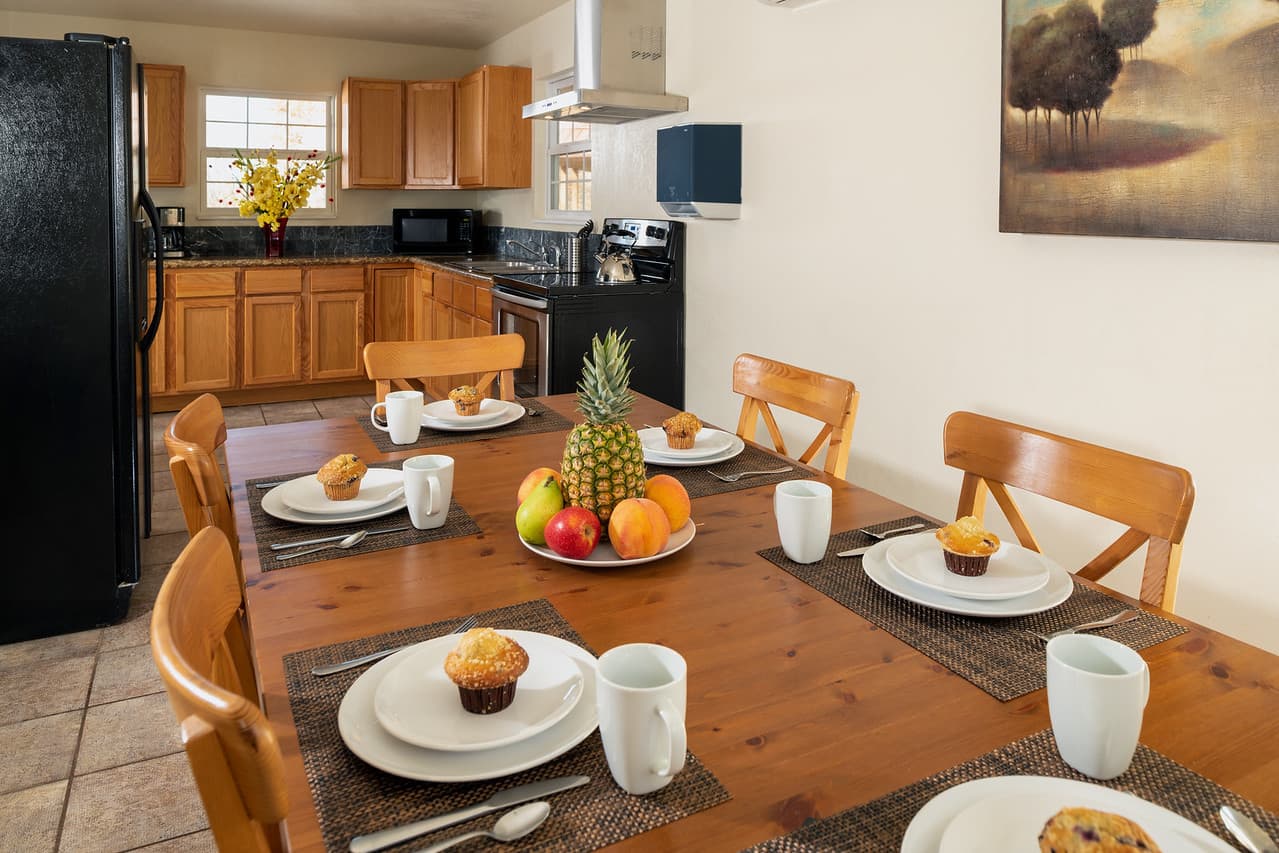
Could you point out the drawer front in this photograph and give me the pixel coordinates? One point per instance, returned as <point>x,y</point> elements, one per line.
<point>336,278</point>
<point>273,280</point>
<point>484,304</point>
<point>464,296</point>
<point>203,283</point>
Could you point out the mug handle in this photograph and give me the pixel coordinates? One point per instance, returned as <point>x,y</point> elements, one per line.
<point>676,738</point>
<point>432,488</point>
<point>373,411</point>
<point>1145,685</point>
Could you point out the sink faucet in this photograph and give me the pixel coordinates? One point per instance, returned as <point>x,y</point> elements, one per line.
<point>549,254</point>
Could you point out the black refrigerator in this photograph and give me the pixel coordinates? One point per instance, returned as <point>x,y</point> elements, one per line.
<point>76,227</point>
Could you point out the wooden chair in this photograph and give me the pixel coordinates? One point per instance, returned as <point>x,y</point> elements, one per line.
<point>1152,498</point>
<point>198,642</point>
<point>395,363</point>
<point>191,439</point>
<point>829,399</point>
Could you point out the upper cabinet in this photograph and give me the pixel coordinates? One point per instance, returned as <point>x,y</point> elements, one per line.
<point>165,106</point>
<point>438,134</point>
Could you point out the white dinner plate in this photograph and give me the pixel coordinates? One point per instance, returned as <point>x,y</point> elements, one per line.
<point>273,504</point>
<point>1059,587</point>
<point>1023,798</point>
<point>1013,570</point>
<point>444,410</point>
<point>512,413</point>
<point>736,446</point>
<point>306,494</point>
<point>418,703</point>
<point>708,442</point>
<point>373,744</point>
<point>605,557</point>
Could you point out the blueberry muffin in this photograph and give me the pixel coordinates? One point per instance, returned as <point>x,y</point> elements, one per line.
<point>485,667</point>
<point>341,476</point>
<point>1080,830</point>
<point>681,430</point>
<point>466,399</point>
<point>967,546</point>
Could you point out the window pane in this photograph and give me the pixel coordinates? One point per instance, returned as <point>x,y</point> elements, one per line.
<point>586,165</point>
<point>564,131</point>
<point>219,134</point>
<point>310,138</point>
<point>225,108</point>
<point>219,194</point>
<point>267,136</point>
<point>272,110</point>
<point>573,196</point>
<point>581,131</point>
<point>308,112</point>
<point>586,196</point>
<point>319,198</point>
<point>219,169</point>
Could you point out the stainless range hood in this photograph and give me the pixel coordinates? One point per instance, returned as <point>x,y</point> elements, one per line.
<point>619,68</point>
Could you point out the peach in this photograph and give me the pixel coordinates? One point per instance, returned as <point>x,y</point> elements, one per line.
<point>536,477</point>
<point>638,528</point>
<point>672,497</point>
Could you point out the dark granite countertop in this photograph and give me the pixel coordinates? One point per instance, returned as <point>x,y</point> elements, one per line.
<point>300,261</point>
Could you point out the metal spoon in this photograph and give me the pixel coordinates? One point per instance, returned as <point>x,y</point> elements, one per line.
<point>349,542</point>
<point>516,823</point>
<point>1245,829</point>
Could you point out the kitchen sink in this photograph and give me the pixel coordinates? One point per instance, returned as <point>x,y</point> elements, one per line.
<point>486,267</point>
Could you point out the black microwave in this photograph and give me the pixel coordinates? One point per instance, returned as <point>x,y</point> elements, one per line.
<point>446,231</point>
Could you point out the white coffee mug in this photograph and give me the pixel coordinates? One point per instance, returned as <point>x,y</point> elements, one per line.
<point>403,416</point>
<point>1097,693</point>
<point>428,489</point>
<point>641,692</point>
<point>803,510</point>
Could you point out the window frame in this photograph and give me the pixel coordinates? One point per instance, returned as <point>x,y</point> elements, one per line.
<point>554,148</point>
<point>330,174</point>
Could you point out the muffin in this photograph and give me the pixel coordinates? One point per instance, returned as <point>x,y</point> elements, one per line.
<point>341,476</point>
<point>466,398</point>
<point>485,666</point>
<point>681,430</point>
<point>967,546</point>
<point>1080,830</point>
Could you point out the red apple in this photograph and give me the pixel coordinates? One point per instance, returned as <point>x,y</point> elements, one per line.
<point>573,532</point>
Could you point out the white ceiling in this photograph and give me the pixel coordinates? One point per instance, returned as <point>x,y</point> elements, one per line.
<point>443,23</point>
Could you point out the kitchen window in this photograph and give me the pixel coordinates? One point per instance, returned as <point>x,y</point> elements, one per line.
<point>568,151</point>
<point>296,126</point>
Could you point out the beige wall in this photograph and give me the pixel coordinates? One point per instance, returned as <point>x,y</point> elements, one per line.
<point>869,247</point>
<point>268,61</point>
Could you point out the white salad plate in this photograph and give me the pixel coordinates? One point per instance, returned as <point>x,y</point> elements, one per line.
<point>306,494</point>
<point>274,505</point>
<point>444,410</point>
<point>511,412</point>
<point>1059,587</point>
<point>708,442</point>
<point>1013,570</point>
<point>735,446</point>
<point>605,557</point>
<point>369,741</point>
<point>418,703</point>
<point>1006,813</point>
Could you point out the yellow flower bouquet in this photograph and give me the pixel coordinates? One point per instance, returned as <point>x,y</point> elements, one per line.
<point>271,195</point>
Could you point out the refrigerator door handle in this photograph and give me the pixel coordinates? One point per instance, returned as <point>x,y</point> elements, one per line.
<point>153,325</point>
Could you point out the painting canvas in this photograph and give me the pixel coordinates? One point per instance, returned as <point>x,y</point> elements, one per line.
<point>1150,118</point>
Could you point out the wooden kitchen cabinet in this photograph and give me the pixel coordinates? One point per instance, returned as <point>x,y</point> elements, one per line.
<point>337,335</point>
<point>372,133</point>
<point>493,140</point>
<point>393,304</point>
<point>203,346</point>
<point>272,339</point>
<point>165,107</point>
<point>428,133</point>
<point>156,355</point>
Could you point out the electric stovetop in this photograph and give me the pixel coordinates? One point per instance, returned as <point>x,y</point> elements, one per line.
<point>567,285</point>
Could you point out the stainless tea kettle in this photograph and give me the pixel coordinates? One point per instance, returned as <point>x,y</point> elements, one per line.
<point>616,266</point>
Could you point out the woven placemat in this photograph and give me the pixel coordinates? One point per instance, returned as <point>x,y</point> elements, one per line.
<point>997,655</point>
<point>267,529</point>
<point>352,798</point>
<point>700,484</point>
<point>880,825</point>
<point>540,418</point>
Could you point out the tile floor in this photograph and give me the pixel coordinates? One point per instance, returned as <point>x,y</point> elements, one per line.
<point>90,758</point>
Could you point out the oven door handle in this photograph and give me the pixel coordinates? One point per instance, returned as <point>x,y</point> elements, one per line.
<point>527,302</point>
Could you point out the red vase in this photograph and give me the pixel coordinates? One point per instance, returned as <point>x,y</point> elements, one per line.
<point>275,239</point>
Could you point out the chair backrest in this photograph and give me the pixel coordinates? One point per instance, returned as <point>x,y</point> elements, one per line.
<point>199,644</point>
<point>191,439</point>
<point>764,382</point>
<point>1153,499</point>
<point>494,357</point>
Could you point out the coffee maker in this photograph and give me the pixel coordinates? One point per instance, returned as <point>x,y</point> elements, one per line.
<point>172,224</point>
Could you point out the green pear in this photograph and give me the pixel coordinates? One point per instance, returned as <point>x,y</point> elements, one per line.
<point>544,501</point>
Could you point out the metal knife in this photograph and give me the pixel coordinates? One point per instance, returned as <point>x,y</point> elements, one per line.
<point>1245,829</point>
<point>855,552</point>
<point>522,794</point>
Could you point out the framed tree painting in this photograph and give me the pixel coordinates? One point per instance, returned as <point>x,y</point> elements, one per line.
<point>1144,118</point>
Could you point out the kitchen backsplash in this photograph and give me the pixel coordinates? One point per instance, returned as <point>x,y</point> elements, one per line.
<point>303,241</point>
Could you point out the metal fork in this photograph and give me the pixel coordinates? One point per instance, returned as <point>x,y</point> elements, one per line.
<point>330,668</point>
<point>1117,619</point>
<point>733,478</point>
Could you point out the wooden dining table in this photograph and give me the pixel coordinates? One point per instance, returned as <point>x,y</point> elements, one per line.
<point>800,707</point>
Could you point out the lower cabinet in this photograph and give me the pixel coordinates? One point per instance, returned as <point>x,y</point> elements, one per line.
<point>272,339</point>
<point>393,305</point>
<point>337,335</point>
<point>156,355</point>
<point>204,344</point>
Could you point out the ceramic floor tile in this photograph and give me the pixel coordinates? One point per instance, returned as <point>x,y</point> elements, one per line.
<point>134,630</point>
<point>29,818</point>
<point>196,842</point>
<point>167,521</point>
<point>38,751</point>
<point>45,688</point>
<point>283,413</point>
<point>127,731</point>
<point>368,402</point>
<point>163,548</point>
<point>162,803</point>
<point>49,649</point>
<point>342,407</point>
<point>124,674</point>
<point>243,416</point>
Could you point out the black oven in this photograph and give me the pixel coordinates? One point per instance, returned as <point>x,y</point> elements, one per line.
<point>444,231</point>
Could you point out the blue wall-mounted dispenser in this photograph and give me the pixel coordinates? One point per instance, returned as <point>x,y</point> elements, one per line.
<point>699,170</point>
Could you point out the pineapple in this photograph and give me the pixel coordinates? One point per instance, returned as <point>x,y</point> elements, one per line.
<point>603,458</point>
